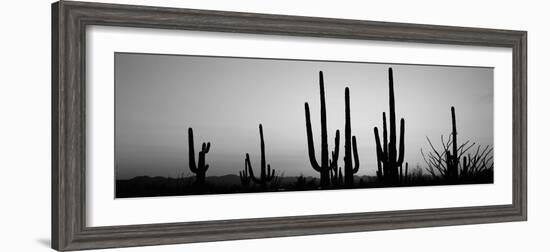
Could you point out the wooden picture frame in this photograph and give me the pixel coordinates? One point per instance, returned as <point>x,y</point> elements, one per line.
<point>69,20</point>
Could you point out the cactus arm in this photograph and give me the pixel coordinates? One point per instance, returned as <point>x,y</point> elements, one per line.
<point>192,164</point>
<point>270,173</point>
<point>243,175</point>
<point>250,170</point>
<point>262,153</point>
<point>385,136</point>
<point>333,162</point>
<point>336,151</point>
<point>205,147</point>
<point>401,143</point>
<point>379,153</point>
<point>355,155</point>
<point>310,143</point>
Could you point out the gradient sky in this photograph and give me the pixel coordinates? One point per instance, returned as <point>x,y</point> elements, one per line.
<point>158,97</point>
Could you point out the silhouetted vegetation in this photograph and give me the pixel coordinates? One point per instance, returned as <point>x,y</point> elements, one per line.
<point>266,175</point>
<point>202,167</point>
<point>326,165</point>
<point>243,175</point>
<point>456,163</point>
<point>453,163</point>
<point>349,141</point>
<point>390,163</point>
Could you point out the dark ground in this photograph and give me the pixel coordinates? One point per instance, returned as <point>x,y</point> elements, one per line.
<point>162,186</point>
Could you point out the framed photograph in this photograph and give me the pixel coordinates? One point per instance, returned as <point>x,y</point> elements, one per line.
<point>178,125</point>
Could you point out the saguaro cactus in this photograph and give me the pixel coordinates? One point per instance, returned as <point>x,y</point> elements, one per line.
<point>326,164</point>
<point>389,161</point>
<point>349,168</point>
<point>243,175</point>
<point>453,158</point>
<point>200,168</point>
<point>266,175</point>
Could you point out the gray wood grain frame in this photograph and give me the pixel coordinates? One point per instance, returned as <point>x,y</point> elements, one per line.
<point>69,22</point>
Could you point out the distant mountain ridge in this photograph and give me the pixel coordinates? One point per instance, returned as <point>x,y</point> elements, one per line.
<point>228,180</point>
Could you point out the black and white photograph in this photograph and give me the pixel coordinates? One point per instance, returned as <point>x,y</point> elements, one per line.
<point>194,125</point>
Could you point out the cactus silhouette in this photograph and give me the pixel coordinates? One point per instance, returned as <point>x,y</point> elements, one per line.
<point>200,168</point>
<point>452,158</point>
<point>349,142</point>
<point>336,177</point>
<point>404,177</point>
<point>326,164</point>
<point>243,175</point>
<point>389,161</point>
<point>266,175</point>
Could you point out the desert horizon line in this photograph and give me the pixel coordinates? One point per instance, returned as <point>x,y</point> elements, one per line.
<point>390,165</point>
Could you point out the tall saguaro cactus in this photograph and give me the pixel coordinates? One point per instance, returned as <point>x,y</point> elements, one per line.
<point>326,164</point>
<point>389,160</point>
<point>200,168</point>
<point>266,174</point>
<point>349,168</point>
<point>453,158</point>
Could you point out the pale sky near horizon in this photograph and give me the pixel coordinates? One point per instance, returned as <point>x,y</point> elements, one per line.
<point>158,97</point>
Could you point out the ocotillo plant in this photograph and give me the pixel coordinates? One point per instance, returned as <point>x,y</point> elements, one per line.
<point>477,163</point>
<point>200,168</point>
<point>454,162</point>
<point>349,168</point>
<point>389,161</point>
<point>266,175</point>
<point>326,165</point>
